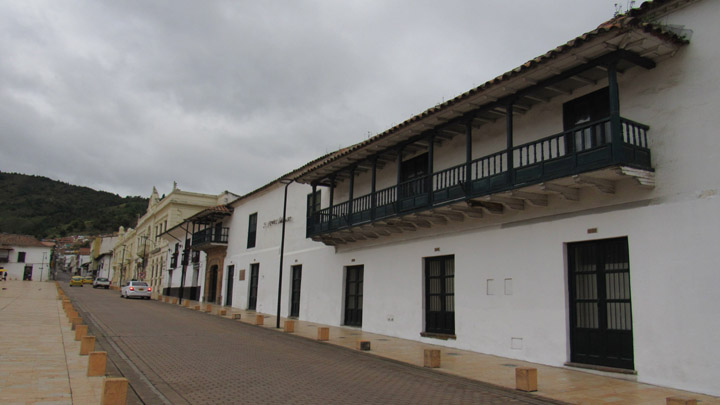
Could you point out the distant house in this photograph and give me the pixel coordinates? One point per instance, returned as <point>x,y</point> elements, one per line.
<point>24,257</point>
<point>101,254</point>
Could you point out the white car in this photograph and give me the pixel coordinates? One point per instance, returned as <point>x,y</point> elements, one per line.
<point>101,282</point>
<point>136,289</point>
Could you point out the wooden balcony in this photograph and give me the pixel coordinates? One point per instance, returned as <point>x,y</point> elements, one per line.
<point>590,154</point>
<point>210,237</point>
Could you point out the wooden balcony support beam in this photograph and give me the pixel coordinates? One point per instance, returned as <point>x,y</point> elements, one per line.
<point>536,199</point>
<point>509,202</point>
<point>420,222</point>
<point>381,227</point>
<point>437,219</point>
<point>491,207</point>
<point>604,185</point>
<point>568,193</point>
<point>467,211</point>
<point>376,230</point>
<point>403,225</point>
<point>447,213</point>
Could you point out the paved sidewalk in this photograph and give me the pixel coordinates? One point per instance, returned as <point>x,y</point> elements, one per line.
<point>563,384</point>
<point>39,360</point>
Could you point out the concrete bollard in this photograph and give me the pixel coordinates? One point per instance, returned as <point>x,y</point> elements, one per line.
<point>175,301</point>
<point>97,364</point>
<point>74,322</point>
<point>222,312</point>
<point>680,401</point>
<point>235,316</point>
<point>526,379</point>
<point>363,345</point>
<point>289,327</point>
<point>196,307</point>
<point>431,358</point>
<point>323,334</point>
<point>87,345</point>
<point>259,320</point>
<point>208,308</point>
<point>166,299</point>
<point>114,391</point>
<point>186,304</point>
<point>80,331</point>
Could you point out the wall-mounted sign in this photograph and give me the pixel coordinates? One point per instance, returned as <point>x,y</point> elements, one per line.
<point>276,222</point>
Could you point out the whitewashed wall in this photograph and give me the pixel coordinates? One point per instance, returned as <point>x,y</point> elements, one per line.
<point>37,257</point>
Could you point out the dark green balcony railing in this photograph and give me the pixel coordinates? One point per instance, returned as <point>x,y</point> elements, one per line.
<point>211,235</point>
<point>581,149</point>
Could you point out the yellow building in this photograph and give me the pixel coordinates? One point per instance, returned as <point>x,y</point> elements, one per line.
<point>141,253</point>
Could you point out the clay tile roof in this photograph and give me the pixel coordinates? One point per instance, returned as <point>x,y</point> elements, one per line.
<point>9,240</point>
<point>212,213</point>
<point>620,23</point>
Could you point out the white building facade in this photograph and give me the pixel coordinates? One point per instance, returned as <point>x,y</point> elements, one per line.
<point>564,213</point>
<point>24,257</point>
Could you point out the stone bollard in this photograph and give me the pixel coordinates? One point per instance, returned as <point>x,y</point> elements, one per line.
<point>166,299</point>
<point>222,312</point>
<point>74,322</point>
<point>363,345</point>
<point>526,379</point>
<point>323,334</point>
<point>196,307</point>
<point>259,320</point>
<point>186,304</point>
<point>175,301</point>
<point>289,327</point>
<point>97,363</point>
<point>235,316</point>
<point>680,401</point>
<point>80,331</point>
<point>432,358</point>
<point>208,308</point>
<point>87,345</point>
<point>114,391</point>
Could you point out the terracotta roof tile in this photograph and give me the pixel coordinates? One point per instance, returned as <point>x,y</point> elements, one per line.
<point>8,240</point>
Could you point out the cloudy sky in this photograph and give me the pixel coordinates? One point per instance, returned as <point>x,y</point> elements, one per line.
<point>124,95</point>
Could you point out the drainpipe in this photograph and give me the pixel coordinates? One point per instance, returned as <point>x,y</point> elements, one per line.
<point>287,183</point>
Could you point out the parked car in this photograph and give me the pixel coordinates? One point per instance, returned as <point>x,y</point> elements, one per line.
<point>88,280</point>
<point>101,282</point>
<point>139,289</point>
<point>76,280</point>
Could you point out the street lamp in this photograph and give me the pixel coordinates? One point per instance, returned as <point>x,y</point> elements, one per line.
<point>287,183</point>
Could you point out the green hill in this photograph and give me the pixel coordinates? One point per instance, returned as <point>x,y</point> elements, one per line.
<point>39,206</point>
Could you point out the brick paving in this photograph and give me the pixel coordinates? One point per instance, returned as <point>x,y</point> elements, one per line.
<point>196,358</point>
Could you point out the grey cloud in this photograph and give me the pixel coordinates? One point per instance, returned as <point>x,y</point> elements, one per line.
<point>124,95</point>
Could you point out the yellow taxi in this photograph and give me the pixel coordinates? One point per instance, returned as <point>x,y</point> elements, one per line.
<point>88,280</point>
<point>76,280</point>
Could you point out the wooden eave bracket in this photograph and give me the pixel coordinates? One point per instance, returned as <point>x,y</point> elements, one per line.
<point>491,207</point>
<point>467,211</point>
<point>451,215</point>
<point>604,185</point>
<point>536,199</point>
<point>568,193</point>
<point>509,202</point>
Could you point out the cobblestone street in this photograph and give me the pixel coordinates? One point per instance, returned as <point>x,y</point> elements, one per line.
<point>185,356</point>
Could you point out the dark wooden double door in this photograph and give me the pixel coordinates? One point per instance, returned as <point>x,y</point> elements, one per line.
<point>600,305</point>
